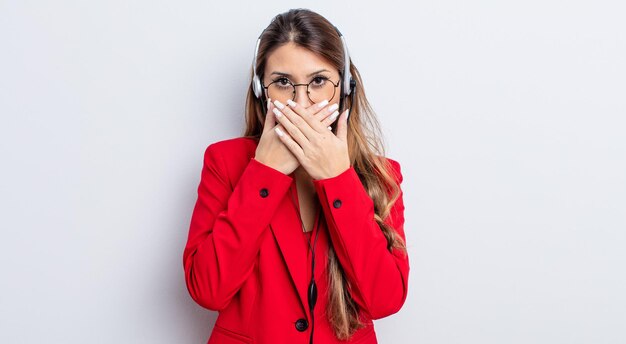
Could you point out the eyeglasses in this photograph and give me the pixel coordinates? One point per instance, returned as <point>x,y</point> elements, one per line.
<point>319,89</point>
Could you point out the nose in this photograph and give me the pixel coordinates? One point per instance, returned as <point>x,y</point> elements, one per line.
<point>302,98</point>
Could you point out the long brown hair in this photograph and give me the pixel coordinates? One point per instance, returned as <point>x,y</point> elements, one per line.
<point>310,30</point>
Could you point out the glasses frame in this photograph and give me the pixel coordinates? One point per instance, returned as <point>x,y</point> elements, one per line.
<point>308,93</point>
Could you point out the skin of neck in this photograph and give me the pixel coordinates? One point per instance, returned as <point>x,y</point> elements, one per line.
<point>302,174</point>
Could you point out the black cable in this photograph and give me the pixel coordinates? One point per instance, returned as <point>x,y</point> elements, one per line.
<point>312,291</point>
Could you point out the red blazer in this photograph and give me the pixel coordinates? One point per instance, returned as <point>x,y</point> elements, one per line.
<point>247,257</point>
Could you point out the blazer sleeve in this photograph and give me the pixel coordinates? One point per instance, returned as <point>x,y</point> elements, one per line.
<point>226,227</point>
<point>377,278</point>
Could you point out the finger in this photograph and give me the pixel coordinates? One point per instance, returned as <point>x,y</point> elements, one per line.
<point>326,112</point>
<point>316,109</point>
<point>317,106</point>
<point>305,114</point>
<point>298,122</point>
<point>323,113</point>
<point>330,119</point>
<point>292,145</point>
<point>293,130</point>
<point>342,126</point>
<point>270,121</point>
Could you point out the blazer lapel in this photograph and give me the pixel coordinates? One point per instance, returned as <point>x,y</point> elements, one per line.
<point>286,227</point>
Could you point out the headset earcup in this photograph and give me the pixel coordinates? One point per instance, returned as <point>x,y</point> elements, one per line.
<point>256,86</point>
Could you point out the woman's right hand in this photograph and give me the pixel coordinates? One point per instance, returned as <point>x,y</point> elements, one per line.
<point>271,151</point>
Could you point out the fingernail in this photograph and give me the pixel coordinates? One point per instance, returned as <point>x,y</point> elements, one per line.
<point>330,128</point>
<point>334,115</point>
<point>291,103</point>
<point>269,101</point>
<point>322,104</point>
<point>279,132</point>
<point>277,112</point>
<point>333,107</point>
<point>347,114</point>
<point>279,104</point>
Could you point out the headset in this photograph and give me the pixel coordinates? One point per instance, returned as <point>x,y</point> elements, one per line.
<point>348,84</point>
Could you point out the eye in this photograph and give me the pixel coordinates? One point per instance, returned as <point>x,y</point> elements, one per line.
<point>319,80</point>
<point>282,81</point>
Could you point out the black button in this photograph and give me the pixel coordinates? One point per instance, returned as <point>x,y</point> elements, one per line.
<point>264,192</point>
<point>302,325</point>
<point>337,203</point>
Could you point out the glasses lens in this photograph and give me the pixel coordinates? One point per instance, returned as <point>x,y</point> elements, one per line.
<point>280,90</point>
<point>321,89</point>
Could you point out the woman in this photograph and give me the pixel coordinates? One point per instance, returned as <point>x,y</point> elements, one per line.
<point>297,233</point>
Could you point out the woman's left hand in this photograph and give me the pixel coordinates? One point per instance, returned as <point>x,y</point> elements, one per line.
<point>320,152</point>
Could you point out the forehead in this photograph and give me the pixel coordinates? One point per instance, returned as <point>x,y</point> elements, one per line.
<point>297,61</point>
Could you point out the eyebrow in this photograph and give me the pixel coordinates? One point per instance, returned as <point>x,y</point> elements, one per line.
<point>289,75</point>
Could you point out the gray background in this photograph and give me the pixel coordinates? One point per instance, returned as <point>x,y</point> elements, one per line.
<point>508,119</point>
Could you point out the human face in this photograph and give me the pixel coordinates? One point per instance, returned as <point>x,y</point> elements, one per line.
<point>301,66</point>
